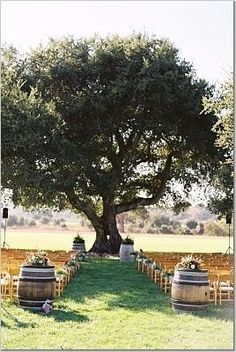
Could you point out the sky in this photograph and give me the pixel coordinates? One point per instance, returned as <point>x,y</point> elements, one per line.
<point>201,30</point>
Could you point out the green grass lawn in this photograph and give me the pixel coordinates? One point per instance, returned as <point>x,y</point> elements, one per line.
<point>62,239</point>
<point>110,305</point>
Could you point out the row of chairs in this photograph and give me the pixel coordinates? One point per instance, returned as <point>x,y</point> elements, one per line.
<point>221,287</point>
<point>21,254</point>
<point>221,281</point>
<point>65,269</point>
<point>210,259</point>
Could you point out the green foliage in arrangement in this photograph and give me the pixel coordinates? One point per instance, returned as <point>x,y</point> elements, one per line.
<point>78,239</point>
<point>93,124</point>
<point>127,240</point>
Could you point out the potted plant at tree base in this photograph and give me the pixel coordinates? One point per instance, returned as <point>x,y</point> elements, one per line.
<point>37,281</point>
<point>127,250</point>
<point>190,286</point>
<point>78,244</point>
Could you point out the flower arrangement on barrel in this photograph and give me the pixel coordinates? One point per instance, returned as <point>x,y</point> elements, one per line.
<point>78,239</point>
<point>190,262</point>
<point>78,243</point>
<point>38,258</point>
<point>128,240</point>
<point>190,286</point>
<point>127,252</point>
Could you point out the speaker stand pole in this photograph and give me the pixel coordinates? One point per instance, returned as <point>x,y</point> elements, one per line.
<point>4,236</point>
<point>229,247</point>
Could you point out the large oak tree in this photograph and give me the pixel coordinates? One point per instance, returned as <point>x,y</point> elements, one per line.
<point>103,126</point>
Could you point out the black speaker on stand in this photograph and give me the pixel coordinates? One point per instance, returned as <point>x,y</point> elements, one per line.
<point>5,217</point>
<point>228,222</point>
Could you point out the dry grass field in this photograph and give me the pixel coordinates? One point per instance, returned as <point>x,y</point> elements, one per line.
<point>57,238</point>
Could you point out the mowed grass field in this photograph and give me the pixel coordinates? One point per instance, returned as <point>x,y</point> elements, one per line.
<point>111,305</point>
<point>46,238</point>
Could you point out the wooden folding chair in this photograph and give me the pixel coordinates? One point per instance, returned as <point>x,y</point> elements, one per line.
<point>225,288</point>
<point>157,276</point>
<point>168,283</point>
<point>61,281</point>
<point>14,271</point>
<point>5,284</point>
<point>213,287</point>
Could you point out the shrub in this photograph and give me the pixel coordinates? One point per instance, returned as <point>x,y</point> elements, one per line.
<point>57,222</point>
<point>192,224</point>
<point>185,230</point>
<point>12,220</point>
<point>21,221</point>
<point>201,229</point>
<point>32,223</point>
<point>213,229</point>
<point>37,216</point>
<point>162,220</point>
<point>166,230</point>
<point>45,220</point>
<point>152,230</point>
<point>131,228</point>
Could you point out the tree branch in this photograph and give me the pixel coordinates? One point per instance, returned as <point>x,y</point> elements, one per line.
<point>140,201</point>
<point>133,140</point>
<point>120,141</point>
<point>83,207</point>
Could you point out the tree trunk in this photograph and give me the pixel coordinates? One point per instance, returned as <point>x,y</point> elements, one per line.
<point>101,244</point>
<point>108,238</point>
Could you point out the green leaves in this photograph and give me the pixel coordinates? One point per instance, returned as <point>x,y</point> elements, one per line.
<point>101,116</point>
<point>222,105</point>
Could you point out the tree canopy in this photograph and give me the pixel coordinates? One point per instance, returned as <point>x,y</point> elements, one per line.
<point>103,126</point>
<point>221,104</point>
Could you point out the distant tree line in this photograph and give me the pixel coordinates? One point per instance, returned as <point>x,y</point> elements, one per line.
<point>138,221</point>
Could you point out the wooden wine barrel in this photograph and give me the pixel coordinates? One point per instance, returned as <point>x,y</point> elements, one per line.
<point>78,247</point>
<point>36,285</point>
<point>190,291</point>
<point>125,253</point>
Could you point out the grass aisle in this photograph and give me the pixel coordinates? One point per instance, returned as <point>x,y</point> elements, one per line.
<point>110,305</point>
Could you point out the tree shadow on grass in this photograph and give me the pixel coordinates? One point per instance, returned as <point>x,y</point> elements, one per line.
<point>223,312</point>
<point>64,314</point>
<point>16,323</point>
<point>4,324</point>
<point>129,289</point>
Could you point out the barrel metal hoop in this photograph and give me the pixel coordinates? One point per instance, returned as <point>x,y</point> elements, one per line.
<point>38,279</point>
<point>32,301</point>
<point>196,283</point>
<point>31,307</point>
<point>197,304</point>
<point>38,267</point>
